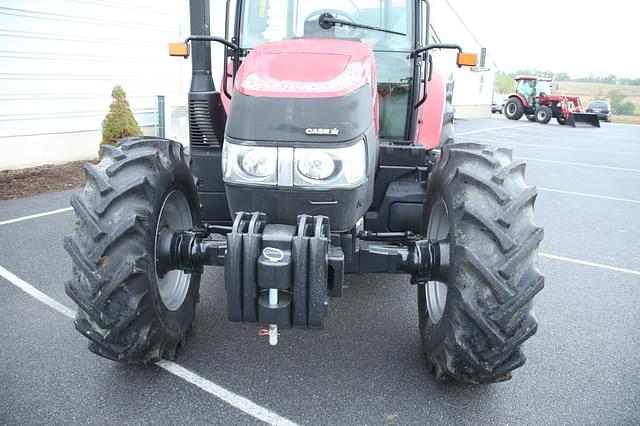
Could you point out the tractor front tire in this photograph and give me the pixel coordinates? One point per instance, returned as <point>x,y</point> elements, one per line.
<point>543,114</point>
<point>513,109</point>
<point>472,325</point>
<point>127,311</point>
<point>447,133</point>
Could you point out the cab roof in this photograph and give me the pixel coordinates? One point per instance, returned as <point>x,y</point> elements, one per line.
<point>531,77</point>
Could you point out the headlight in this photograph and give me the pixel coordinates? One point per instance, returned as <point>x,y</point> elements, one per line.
<point>315,164</point>
<point>331,167</point>
<point>285,167</point>
<point>259,162</point>
<point>250,164</point>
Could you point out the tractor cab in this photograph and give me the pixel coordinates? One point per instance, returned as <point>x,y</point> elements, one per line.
<point>532,87</point>
<point>391,29</point>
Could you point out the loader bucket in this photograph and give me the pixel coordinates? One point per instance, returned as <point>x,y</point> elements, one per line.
<point>583,118</point>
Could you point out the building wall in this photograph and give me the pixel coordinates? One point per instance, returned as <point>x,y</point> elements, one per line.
<point>60,60</point>
<point>473,91</point>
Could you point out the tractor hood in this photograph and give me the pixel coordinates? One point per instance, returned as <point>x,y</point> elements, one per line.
<point>305,90</point>
<point>306,68</point>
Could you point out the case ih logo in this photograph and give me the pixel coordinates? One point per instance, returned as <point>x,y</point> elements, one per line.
<point>322,132</point>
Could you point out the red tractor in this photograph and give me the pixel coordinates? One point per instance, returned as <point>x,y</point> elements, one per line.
<point>533,99</point>
<point>324,154</point>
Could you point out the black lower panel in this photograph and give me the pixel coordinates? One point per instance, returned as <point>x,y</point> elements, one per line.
<point>343,207</point>
<point>206,166</point>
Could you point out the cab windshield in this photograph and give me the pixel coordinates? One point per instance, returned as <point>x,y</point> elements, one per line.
<point>273,20</point>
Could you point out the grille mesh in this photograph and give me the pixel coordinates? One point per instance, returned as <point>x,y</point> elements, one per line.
<point>201,124</point>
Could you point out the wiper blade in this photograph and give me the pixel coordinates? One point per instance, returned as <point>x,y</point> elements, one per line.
<point>327,21</point>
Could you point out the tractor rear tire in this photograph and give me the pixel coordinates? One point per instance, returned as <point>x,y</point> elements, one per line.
<point>514,109</point>
<point>447,133</point>
<point>473,325</point>
<point>543,114</point>
<point>129,313</point>
<point>531,117</point>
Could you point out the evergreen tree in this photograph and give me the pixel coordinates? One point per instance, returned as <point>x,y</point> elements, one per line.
<point>119,122</point>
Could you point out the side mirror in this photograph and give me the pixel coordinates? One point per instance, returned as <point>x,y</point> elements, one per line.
<point>467,59</point>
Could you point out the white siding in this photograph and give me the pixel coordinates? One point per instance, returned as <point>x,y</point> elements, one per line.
<point>473,90</point>
<point>60,60</point>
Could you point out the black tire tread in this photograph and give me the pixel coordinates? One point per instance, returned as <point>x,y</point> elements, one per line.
<point>110,283</point>
<point>548,116</point>
<point>494,247</point>
<point>447,133</point>
<point>519,108</point>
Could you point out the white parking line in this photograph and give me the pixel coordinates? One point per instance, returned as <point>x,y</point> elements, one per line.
<point>584,194</point>
<point>473,132</point>
<point>595,265</point>
<point>229,397</point>
<point>35,293</point>
<point>35,216</point>
<point>596,166</point>
<point>551,147</point>
<point>237,401</point>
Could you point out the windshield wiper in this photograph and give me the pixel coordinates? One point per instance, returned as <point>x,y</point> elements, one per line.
<point>327,21</point>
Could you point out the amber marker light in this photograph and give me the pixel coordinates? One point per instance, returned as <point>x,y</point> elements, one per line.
<point>179,49</point>
<point>467,59</point>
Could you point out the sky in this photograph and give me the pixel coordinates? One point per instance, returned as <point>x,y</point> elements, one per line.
<point>577,37</point>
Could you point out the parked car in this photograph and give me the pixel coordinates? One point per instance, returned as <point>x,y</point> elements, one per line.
<point>602,108</point>
<point>497,105</point>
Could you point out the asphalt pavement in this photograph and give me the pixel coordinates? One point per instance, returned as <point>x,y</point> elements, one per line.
<point>366,366</point>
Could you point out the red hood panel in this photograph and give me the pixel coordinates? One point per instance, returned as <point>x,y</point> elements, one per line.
<point>306,68</point>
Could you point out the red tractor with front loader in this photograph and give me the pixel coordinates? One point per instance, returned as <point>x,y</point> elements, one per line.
<point>329,151</point>
<point>534,100</point>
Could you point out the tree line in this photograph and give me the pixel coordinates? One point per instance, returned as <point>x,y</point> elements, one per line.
<point>563,76</point>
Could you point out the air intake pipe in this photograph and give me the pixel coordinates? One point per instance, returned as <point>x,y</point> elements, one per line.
<point>207,117</point>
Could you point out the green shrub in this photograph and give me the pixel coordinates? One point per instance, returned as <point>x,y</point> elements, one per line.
<point>505,84</point>
<point>119,122</point>
<point>624,108</point>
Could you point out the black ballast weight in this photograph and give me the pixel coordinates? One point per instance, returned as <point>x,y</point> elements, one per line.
<point>292,259</point>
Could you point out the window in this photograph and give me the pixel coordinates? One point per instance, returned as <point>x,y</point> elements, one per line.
<point>274,20</point>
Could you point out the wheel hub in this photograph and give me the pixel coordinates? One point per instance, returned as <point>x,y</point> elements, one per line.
<point>175,215</point>
<point>436,291</point>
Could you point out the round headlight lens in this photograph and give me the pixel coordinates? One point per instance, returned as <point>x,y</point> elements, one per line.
<point>316,165</point>
<point>260,162</point>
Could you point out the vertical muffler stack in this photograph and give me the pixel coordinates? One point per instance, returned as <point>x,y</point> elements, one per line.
<point>207,117</point>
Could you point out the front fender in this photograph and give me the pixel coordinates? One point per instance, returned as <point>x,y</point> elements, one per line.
<point>521,97</point>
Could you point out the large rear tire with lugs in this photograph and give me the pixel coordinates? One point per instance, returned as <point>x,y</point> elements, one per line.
<point>447,133</point>
<point>473,323</point>
<point>514,109</point>
<point>126,309</point>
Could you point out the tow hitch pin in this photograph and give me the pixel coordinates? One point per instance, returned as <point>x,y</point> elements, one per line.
<point>272,332</point>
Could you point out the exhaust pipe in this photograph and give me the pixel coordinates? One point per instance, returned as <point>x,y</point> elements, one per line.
<point>207,117</point>
<point>201,80</point>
